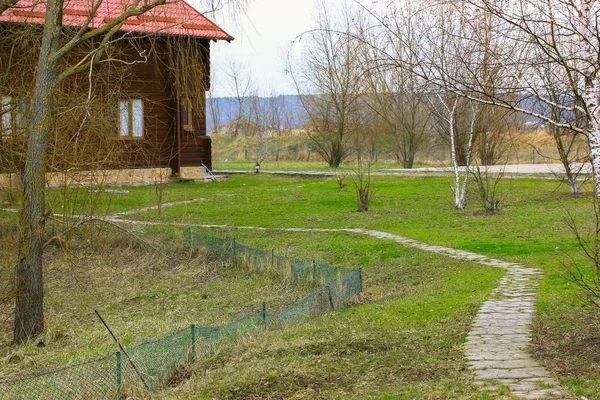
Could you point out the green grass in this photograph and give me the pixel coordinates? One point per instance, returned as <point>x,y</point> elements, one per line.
<point>531,226</point>
<point>419,306</point>
<point>530,229</point>
<point>404,341</point>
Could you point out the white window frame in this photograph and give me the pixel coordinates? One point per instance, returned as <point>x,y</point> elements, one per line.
<point>131,119</point>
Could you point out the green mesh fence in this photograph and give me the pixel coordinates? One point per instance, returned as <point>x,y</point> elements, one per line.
<point>149,364</point>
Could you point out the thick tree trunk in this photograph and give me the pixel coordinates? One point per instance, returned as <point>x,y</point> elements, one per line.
<point>29,303</point>
<point>409,160</point>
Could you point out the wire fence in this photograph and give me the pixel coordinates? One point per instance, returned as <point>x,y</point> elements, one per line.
<point>150,364</point>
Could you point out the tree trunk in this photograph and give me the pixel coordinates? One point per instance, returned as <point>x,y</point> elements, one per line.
<point>29,302</point>
<point>563,154</point>
<point>458,198</point>
<point>590,93</point>
<point>409,160</point>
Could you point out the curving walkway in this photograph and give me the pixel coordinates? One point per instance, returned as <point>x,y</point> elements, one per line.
<point>497,348</point>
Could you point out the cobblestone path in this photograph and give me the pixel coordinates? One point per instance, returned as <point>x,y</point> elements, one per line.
<point>497,347</point>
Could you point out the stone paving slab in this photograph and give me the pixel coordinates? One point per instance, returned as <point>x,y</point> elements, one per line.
<point>498,345</point>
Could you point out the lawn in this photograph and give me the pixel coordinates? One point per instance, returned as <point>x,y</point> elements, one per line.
<point>404,339</point>
<point>531,229</point>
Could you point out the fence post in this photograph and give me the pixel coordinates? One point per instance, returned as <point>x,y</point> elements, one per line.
<point>330,298</point>
<point>273,257</point>
<point>360,280</point>
<point>264,314</point>
<point>193,332</point>
<point>314,271</point>
<point>234,252</point>
<point>119,377</point>
<point>190,237</point>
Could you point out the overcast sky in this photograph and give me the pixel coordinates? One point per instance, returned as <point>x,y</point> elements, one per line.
<point>261,42</point>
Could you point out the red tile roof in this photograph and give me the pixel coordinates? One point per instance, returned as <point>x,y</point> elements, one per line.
<point>178,18</point>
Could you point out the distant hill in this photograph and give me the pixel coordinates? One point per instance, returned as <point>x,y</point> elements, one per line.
<point>287,110</point>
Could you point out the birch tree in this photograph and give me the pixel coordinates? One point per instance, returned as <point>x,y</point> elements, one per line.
<point>563,35</point>
<point>446,109</point>
<point>567,141</point>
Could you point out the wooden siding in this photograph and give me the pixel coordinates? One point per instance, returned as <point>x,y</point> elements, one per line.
<point>151,81</point>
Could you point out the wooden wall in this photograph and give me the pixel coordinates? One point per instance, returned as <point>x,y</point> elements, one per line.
<point>149,78</point>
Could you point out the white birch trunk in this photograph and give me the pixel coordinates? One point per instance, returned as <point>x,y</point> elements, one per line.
<point>456,190</point>
<point>591,93</point>
<point>463,199</point>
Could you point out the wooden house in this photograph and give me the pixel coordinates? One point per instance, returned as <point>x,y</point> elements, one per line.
<point>136,115</point>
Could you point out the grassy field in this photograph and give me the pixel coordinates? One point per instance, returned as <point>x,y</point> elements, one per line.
<point>404,339</point>
<point>292,152</point>
<point>531,229</point>
<point>144,289</point>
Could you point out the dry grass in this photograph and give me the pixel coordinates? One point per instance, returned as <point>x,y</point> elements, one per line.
<point>143,287</point>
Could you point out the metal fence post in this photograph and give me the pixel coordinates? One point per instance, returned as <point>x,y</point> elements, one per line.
<point>234,251</point>
<point>264,314</point>
<point>193,332</point>
<point>119,377</point>
<point>360,280</point>
<point>330,298</point>
<point>314,271</point>
<point>190,237</point>
<point>273,257</point>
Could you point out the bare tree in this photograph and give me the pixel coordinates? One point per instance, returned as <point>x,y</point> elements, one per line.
<point>396,95</point>
<point>329,85</point>
<point>361,176</point>
<point>560,35</point>
<point>240,87</point>
<point>213,106</point>
<point>567,140</point>
<point>446,109</point>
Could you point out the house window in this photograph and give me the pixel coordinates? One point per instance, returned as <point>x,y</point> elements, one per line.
<point>186,113</point>
<point>131,118</point>
<point>13,116</point>
<point>6,115</point>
